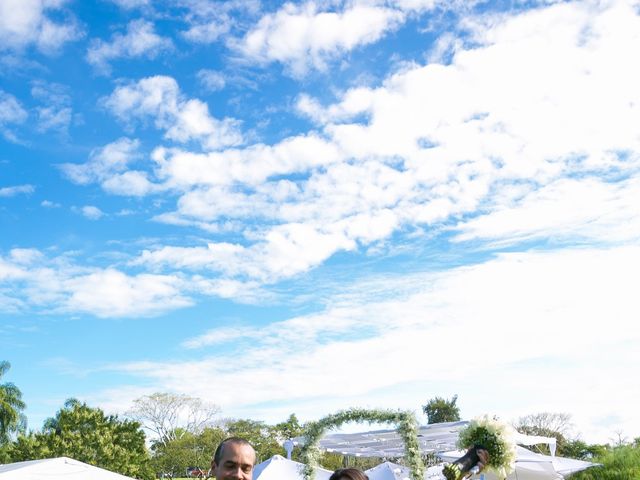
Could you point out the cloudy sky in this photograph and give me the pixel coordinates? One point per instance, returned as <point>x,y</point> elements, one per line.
<point>302,207</point>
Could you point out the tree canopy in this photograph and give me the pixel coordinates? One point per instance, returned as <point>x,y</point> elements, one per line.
<point>168,415</point>
<point>547,424</point>
<point>88,435</point>
<point>12,419</point>
<point>440,410</point>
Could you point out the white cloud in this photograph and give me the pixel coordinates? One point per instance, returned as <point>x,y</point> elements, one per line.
<point>441,331</point>
<point>304,36</point>
<point>108,166</point>
<point>211,80</point>
<point>208,32</point>
<point>183,120</point>
<point>16,190</point>
<point>110,293</point>
<point>131,4</point>
<point>49,204</point>
<point>11,113</point>
<point>25,22</point>
<point>139,41</point>
<point>56,113</point>
<point>498,144</point>
<point>32,280</point>
<point>209,21</point>
<point>92,212</point>
<point>587,209</point>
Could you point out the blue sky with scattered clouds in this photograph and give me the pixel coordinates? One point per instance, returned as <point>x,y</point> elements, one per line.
<point>307,206</point>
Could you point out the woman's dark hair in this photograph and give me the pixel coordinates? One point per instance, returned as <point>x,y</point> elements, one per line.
<point>348,474</point>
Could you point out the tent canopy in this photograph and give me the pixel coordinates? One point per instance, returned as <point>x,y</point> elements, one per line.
<point>433,438</point>
<point>280,468</point>
<point>61,468</point>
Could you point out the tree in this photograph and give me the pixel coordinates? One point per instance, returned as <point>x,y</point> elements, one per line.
<point>88,435</point>
<point>169,415</point>
<point>440,410</point>
<point>290,428</point>
<point>618,463</point>
<point>258,433</point>
<point>547,424</point>
<point>12,420</point>
<point>189,450</point>
<point>581,450</point>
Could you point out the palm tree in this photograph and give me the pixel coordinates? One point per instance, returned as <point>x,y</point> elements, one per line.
<point>11,406</point>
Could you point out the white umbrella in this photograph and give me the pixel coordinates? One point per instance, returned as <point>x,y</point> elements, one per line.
<point>388,471</point>
<point>280,468</point>
<point>61,468</point>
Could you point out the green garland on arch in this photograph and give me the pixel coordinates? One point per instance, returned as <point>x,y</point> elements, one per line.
<point>406,426</point>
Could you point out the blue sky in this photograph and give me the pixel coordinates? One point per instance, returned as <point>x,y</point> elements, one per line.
<point>309,206</point>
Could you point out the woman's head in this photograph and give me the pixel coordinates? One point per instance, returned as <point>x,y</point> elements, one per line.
<point>348,474</point>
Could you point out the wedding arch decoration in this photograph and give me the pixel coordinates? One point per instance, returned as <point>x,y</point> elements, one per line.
<point>406,426</point>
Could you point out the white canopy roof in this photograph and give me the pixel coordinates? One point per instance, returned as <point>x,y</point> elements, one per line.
<point>61,468</point>
<point>534,466</point>
<point>280,468</point>
<point>434,438</point>
<point>393,471</point>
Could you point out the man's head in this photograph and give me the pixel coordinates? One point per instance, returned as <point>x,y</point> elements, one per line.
<point>233,460</point>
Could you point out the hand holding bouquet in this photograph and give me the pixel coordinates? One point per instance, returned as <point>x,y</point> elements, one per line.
<point>491,445</point>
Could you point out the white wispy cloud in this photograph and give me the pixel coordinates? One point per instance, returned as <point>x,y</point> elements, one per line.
<point>16,190</point>
<point>585,209</point>
<point>57,284</point>
<point>56,113</point>
<point>306,36</point>
<point>211,79</point>
<point>159,98</point>
<point>11,113</point>
<point>91,212</point>
<point>139,41</point>
<point>108,166</point>
<point>209,21</point>
<point>391,157</point>
<point>31,281</point>
<point>26,22</point>
<point>131,4</point>
<point>445,330</point>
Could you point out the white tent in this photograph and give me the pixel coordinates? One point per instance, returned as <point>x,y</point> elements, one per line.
<point>533,466</point>
<point>61,468</point>
<point>280,468</point>
<point>388,471</point>
<point>432,438</point>
<point>393,471</point>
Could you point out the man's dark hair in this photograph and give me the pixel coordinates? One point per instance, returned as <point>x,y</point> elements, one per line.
<point>217,456</point>
<point>349,473</point>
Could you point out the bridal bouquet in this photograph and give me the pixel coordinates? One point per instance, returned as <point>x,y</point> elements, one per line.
<point>486,433</point>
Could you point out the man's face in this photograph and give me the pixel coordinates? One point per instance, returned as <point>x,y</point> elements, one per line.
<point>236,462</point>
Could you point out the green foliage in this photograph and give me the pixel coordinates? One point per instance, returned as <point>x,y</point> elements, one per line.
<point>258,433</point>
<point>12,420</point>
<point>88,435</point>
<point>581,450</point>
<point>619,463</point>
<point>406,425</point>
<point>187,450</point>
<point>290,428</point>
<point>439,410</point>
